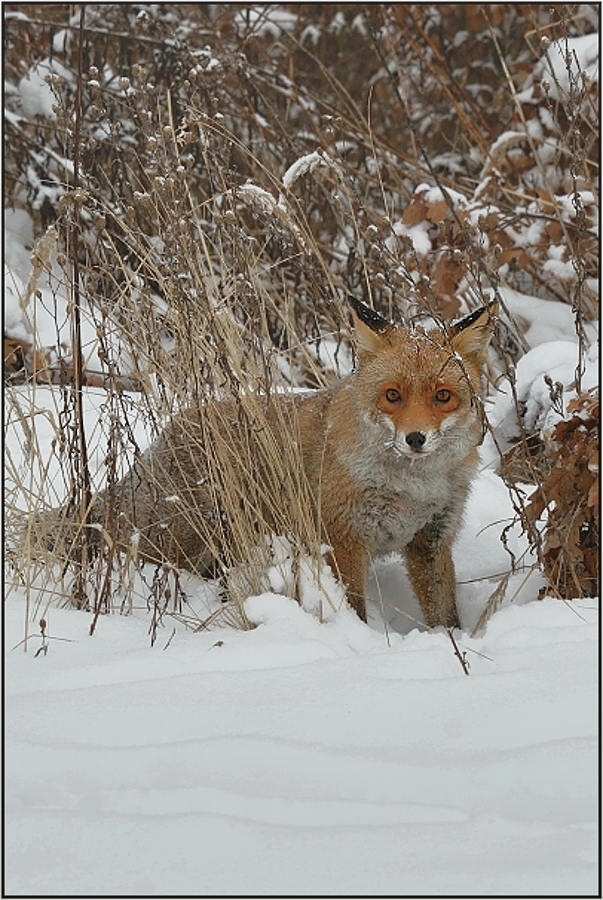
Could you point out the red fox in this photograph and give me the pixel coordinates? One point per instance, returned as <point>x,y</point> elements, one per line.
<point>388,455</point>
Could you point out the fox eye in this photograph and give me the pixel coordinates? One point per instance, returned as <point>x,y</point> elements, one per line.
<point>443,395</point>
<point>393,396</point>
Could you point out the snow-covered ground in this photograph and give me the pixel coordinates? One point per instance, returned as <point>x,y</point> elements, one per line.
<point>303,757</point>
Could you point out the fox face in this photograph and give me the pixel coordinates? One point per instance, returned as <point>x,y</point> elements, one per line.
<point>420,388</point>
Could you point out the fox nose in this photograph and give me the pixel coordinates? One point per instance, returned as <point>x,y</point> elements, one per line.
<point>415,440</point>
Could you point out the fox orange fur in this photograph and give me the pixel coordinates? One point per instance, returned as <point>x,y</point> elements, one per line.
<point>388,454</point>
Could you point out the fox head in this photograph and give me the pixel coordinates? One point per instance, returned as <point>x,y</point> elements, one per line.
<point>422,387</point>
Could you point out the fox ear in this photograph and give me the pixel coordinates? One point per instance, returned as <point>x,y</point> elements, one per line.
<point>471,336</point>
<point>371,328</point>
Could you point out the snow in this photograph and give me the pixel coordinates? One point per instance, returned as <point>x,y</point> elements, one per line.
<point>567,58</point>
<point>561,270</point>
<point>41,319</point>
<point>37,98</point>
<point>555,360</point>
<point>301,166</point>
<point>303,758</point>
<point>265,20</point>
<point>308,163</point>
<point>418,234</point>
<point>562,66</point>
<point>545,320</point>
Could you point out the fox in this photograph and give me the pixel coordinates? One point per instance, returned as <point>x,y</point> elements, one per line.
<point>388,454</point>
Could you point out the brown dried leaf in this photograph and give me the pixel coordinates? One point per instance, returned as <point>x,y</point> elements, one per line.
<point>414,212</point>
<point>437,212</point>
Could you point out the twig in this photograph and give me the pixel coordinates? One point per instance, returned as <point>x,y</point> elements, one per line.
<point>169,640</point>
<point>81,459</point>
<point>460,656</point>
<point>45,638</point>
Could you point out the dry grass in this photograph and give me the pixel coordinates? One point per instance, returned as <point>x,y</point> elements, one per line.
<point>235,182</point>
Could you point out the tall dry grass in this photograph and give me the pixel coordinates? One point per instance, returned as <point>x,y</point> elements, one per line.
<point>235,180</point>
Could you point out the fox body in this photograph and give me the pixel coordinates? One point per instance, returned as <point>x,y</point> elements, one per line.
<point>388,455</point>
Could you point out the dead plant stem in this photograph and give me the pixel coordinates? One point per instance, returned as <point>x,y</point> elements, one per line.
<point>81,457</point>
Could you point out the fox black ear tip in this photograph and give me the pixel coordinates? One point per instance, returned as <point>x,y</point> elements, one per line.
<point>359,306</point>
<point>491,309</point>
<point>366,314</point>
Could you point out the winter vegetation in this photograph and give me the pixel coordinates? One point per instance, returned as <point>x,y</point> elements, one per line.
<point>192,192</point>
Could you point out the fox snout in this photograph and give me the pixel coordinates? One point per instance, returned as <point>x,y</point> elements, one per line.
<point>415,443</point>
<point>416,440</point>
<point>413,437</point>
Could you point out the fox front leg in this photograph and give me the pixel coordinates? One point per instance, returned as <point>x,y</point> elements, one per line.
<point>431,572</point>
<point>350,562</point>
